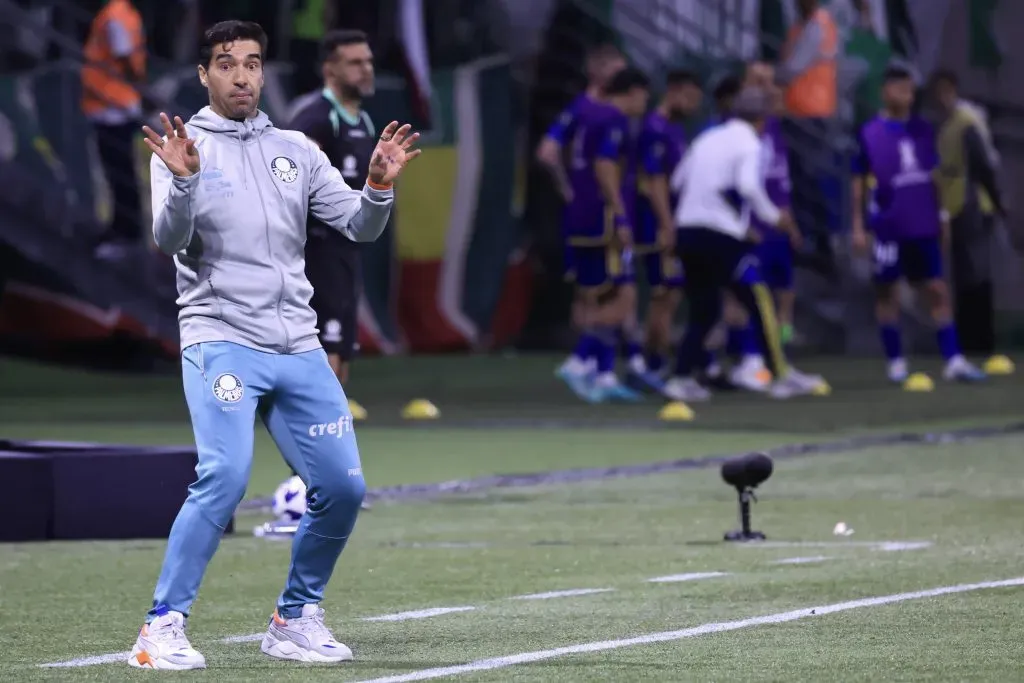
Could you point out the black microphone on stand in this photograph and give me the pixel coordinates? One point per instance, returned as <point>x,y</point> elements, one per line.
<point>746,473</point>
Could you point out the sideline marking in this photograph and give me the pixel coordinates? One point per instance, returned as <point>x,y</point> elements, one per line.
<point>93,661</point>
<point>802,560</point>
<point>419,614</point>
<point>889,546</point>
<point>704,629</point>
<point>696,576</point>
<point>897,546</point>
<point>561,594</point>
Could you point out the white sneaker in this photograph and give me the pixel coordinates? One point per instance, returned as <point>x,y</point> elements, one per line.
<point>304,639</point>
<point>162,645</point>
<point>795,383</point>
<point>897,371</point>
<point>685,389</point>
<point>751,374</point>
<point>959,369</point>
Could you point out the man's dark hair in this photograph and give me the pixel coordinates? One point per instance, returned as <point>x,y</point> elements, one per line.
<point>946,77</point>
<point>626,80</point>
<point>897,72</point>
<point>340,38</point>
<point>228,32</point>
<point>729,86</point>
<point>677,77</point>
<point>602,52</point>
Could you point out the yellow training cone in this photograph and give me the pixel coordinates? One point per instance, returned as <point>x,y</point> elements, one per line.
<point>421,409</point>
<point>358,411</point>
<point>676,411</point>
<point>919,382</point>
<point>999,365</point>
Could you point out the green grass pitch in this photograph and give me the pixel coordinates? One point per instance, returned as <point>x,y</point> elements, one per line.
<point>500,580</point>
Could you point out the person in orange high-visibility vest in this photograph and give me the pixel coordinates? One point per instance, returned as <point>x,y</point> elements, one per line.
<point>808,76</point>
<point>115,66</point>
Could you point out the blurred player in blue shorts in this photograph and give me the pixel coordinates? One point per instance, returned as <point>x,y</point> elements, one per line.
<point>662,146</point>
<point>602,62</point>
<point>905,226</point>
<point>603,177</point>
<point>231,195</point>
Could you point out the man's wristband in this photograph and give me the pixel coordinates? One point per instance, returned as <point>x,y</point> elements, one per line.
<point>378,186</point>
<point>621,221</point>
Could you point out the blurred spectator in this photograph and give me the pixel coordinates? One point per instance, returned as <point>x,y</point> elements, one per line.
<point>808,73</point>
<point>115,65</point>
<point>311,21</point>
<point>971,196</point>
<point>866,57</point>
<point>723,95</point>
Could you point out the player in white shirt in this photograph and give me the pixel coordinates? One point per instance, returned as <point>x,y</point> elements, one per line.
<point>720,182</point>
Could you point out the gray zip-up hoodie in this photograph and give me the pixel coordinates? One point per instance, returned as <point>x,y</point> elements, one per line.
<point>237,230</point>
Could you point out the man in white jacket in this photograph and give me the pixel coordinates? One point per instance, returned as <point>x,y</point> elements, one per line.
<point>720,181</point>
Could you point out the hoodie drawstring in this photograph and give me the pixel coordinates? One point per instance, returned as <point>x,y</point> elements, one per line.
<point>245,157</point>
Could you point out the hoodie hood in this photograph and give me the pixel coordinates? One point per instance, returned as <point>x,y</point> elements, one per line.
<point>208,120</point>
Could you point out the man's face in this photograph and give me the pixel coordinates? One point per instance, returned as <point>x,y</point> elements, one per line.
<point>760,74</point>
<point>350,70</point>
<point>635,102</point>
<point>234,78</point>
<point>606,68</point>
<point>898,94</point>
<point>944,94</point>
<point>684,99</point>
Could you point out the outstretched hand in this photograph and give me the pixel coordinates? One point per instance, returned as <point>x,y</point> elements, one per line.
<point>177,151</point>
<point>394,150</point>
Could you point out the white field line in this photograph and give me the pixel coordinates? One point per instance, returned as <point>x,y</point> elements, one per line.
<point>898,546</point>
<point>419,614</point>
<point>802,560</point>
<point>561,594</point>
<point>696,576</point>
<point>110,658</point>
<point>251,638</point>
<point>871,545</point>
<point>704,629</point>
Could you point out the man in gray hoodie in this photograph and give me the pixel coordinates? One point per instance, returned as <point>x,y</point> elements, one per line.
<point>231,194</point>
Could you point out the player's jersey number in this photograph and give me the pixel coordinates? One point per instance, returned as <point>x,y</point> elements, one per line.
<point>886,255</point>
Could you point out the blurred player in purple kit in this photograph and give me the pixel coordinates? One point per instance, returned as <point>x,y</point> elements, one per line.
<point>904,226</point>
<point>661,148</point>
<point>603,175</point>
<point>602,63</point>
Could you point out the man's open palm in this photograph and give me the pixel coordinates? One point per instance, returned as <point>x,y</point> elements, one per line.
<point>394,150</point>
<point>177,150</point>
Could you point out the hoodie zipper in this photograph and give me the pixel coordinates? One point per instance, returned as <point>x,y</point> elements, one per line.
<point>270,252</point>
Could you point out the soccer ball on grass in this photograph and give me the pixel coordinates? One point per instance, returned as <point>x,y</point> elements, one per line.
<point>290,500</point>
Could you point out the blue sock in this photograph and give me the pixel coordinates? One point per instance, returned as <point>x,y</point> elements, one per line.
<point>586,347</point>
<point>734,341</point>
<point>892,342</point>
<point>655,361</point>
<point>748,341</point>
<point>605,351</point>
<point>949,345</point>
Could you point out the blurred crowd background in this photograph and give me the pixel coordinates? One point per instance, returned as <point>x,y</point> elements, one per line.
<point>473,261</point>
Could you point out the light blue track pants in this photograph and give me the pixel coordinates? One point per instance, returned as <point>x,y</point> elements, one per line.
<point>305,410</point>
